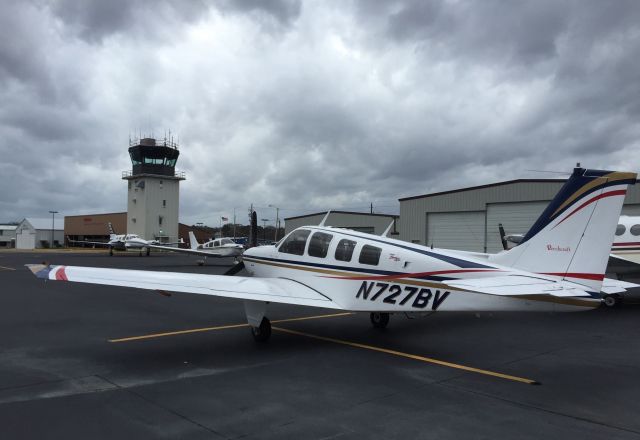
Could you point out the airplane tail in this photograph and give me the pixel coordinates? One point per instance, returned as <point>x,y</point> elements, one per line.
<point>112,234</point>
<point>572,238</point>
<point>192,240</point>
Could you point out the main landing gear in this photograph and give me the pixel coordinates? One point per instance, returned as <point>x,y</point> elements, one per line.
<point>263,331</point>
<point>379,319</point>
<point>612,300</point>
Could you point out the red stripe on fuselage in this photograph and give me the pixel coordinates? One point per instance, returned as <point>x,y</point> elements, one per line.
<point>620,192</point>
<point>61,274</point>
<point>584,276</point>
<point>412,275</point>
<point>628,243</point>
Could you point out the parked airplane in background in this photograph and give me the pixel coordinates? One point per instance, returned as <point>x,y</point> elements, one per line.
<point>559,266</point>
<point>626,243</point>
<point>125,242</point>
<point>218,248</point>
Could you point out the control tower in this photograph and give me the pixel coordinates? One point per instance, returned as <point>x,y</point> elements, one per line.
<point>154,189</point>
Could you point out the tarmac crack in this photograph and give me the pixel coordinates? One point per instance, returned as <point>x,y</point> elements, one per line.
<point>164,408</point>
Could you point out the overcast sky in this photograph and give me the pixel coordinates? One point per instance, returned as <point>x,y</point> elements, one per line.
<point>310,105</point>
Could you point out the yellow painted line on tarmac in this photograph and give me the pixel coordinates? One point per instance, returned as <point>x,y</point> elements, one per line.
<point>223,327</point>
<point>411,356</point>
<point>6,268</point>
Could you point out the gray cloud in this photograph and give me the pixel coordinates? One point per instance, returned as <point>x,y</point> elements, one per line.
<point>310,105</point>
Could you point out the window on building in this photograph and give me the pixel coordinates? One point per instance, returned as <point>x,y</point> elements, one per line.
<point>635,230</point>
<point>344,250</point>
<point>295,242</point>
<point>133,220</point>
<point>160,220</point>
<point>415,241</point>
<point>370,255</point>
<point>164,203</point>
<point>319,244</point>
<point>620,229</point>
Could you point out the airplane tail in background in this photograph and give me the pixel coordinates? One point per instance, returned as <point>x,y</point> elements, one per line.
<point>572,238</point>
<point>192,240</point>
<point>112,234</point>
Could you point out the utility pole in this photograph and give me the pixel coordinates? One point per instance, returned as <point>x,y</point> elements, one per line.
<point>371,207</point>
<point>277,221</point>
<point>264,228</point>
<point>53,214</point>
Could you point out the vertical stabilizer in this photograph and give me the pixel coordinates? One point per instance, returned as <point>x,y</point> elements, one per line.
<point>112,234</point>
<point>193,242</point>
<point>572,238</point>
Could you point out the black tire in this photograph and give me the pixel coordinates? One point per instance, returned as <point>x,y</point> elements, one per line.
<point>111,252</point>
<point>611,300</point>
<point>148,251</point>
<point>379,319</point>
<point>262,333</point>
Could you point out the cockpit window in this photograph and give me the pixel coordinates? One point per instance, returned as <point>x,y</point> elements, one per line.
<point>344,250</point>
<point>620,229</point>
<point>216,243</point>
<point>295,242</point>
<point>319,244</point>
<point>226,241</point>
<point>635,230</point>
<point>370,255</point>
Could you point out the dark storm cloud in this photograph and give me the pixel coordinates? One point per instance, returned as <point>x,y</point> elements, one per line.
<point>310,105</point>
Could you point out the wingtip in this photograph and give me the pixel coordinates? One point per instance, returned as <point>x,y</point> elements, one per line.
<point>39,270</point>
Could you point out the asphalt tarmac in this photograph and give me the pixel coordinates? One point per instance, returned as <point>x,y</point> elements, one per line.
<point>69,370</point>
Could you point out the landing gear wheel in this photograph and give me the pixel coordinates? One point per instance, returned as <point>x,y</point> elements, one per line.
<point>611,300</point>
<point>111,252</point>
<point>262,333</point>
<point>148,251</point>
<point>379,320</point>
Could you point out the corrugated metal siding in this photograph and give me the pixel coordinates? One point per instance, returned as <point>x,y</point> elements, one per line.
<point>517,218</point>
<point>456,230</point>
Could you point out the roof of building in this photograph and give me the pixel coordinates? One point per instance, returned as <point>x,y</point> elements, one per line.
<point>45,223</point>
<point>95,215</point>
<point>490,185</point>
<point>342,212</point>
<point>8,227</point>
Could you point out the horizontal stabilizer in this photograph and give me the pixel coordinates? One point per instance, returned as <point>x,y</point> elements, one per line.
<point>519,285</point>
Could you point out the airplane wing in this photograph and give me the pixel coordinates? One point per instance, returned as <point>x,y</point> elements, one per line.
<point>211,254</point>
<point>520,285</point>
<point>610,286</point>
<point>276,290</point>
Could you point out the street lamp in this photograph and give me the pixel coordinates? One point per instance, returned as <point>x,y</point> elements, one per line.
<point>277,221</point>
<point>264,225</point>
<point>53,214</point>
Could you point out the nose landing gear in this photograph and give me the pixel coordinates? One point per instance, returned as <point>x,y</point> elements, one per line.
<point>379,319</point>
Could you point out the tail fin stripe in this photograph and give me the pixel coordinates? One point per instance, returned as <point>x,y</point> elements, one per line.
<point>582,276</point>
<point>620,192</point>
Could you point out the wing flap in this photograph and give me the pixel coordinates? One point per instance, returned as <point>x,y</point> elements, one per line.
<point>258,289</point>
<point>516,285</point>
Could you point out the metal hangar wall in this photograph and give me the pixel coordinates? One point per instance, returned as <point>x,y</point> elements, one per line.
<point>468,218</point>
<point>358,221</point>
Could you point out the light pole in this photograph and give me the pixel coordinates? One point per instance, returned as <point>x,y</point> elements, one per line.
<point>53,215</point>
<point>264,225</point>
<point>277,221</point>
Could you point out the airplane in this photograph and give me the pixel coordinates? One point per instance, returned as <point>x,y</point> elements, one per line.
<point>559,266</point>
<point>123,242</point>
<point>218,248</point>
<point>626,243</point>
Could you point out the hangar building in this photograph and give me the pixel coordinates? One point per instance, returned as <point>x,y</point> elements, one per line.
<point>8,236</point>
<point>468,218</point>
<point>94,227</point>
<point>34,233</point>
<point>358,221</point>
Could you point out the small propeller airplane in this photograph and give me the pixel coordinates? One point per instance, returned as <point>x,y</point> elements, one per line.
<point>559,266</point>
<point>218,248</point>
<point>123,242</point>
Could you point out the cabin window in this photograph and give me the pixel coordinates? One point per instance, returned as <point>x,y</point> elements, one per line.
<point>370,255</point>
<point>635,230</point>
<point>216,243</point>
<point>620,229</point>
<point>319,244</point>
<point>295,242</point>
<point>344,250</point>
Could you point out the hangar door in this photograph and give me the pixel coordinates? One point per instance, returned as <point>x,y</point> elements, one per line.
<point>517,218</point>
<point>456,230</point>
<point>26,240</point>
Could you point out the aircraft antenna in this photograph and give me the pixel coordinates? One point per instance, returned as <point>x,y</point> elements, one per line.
<point>325,218</point>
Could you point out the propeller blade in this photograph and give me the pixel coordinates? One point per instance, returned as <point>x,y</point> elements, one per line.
<point>235,269</point>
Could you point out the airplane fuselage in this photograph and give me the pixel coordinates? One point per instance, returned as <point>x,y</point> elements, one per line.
<point>365,272</point>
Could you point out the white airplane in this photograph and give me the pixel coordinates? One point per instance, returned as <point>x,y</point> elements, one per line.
<point>626,243</point>
<point>123,242</point>
<point>559,266</point>
<point>218,248</point>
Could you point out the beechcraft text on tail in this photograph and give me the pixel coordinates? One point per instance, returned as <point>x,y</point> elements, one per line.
<point>559,266</point>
